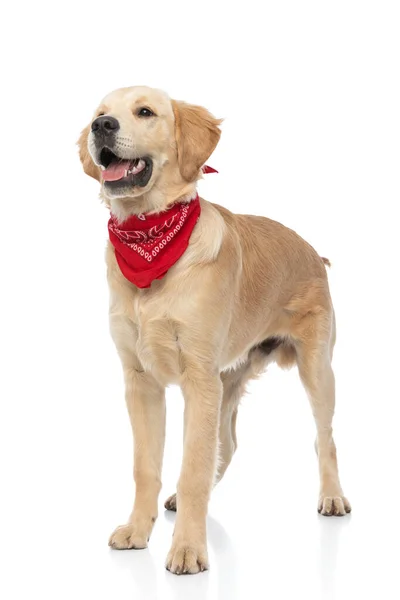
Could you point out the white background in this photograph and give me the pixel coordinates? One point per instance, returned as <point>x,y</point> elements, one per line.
<point>310,93</point>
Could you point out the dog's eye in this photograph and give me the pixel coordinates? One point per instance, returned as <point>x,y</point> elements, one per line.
<point>145,112</point>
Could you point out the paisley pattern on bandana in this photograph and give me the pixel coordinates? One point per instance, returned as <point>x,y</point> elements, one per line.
<point>147,246</point>
<point>149,243</point>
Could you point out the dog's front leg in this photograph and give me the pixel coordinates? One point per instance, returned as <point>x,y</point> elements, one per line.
<point>202,390</point>
<point>146,406</point>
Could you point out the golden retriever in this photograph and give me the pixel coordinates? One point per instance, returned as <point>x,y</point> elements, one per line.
<point>247,291</point>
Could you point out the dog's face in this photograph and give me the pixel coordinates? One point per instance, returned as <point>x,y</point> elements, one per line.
<point>130,139</point>
<point>140,141</point>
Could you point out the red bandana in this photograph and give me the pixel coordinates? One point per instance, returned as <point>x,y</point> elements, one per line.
<point>147,246</point>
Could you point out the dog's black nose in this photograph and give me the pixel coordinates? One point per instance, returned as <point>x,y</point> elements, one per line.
<point>105,125</point>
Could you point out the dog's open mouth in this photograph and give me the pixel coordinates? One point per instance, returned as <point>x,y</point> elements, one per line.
<point>118,171</point>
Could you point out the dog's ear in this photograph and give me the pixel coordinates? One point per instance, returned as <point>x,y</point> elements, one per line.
<point>197,133</point>
<point>88,165</point>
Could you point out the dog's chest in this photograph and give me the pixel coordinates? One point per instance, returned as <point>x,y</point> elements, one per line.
<point>157,343</point>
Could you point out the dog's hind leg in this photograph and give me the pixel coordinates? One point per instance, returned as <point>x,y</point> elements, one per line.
<point>314,346</point>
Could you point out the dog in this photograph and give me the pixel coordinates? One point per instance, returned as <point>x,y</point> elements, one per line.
<point>202,298</point>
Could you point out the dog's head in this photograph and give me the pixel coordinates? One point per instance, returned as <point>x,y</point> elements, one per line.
<point>145,149</point>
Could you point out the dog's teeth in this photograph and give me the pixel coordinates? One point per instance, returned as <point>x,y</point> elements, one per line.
<point>102,168</point>
<point>137,165</point>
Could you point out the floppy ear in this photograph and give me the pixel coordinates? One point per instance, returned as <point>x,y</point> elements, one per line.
<point>197,133</point>
<point>88,165</point>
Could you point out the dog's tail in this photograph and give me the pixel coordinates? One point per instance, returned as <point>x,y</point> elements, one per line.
<point>326,261</point>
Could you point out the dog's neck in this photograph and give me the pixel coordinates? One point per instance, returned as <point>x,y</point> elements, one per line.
<point>155,201</point>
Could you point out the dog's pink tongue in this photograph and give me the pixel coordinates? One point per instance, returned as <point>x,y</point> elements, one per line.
<point>116,171</point>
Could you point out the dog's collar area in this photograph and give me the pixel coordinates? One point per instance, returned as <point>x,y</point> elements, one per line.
<point>148,245</point>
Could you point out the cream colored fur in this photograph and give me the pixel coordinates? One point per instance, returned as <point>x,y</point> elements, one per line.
<point>242,280</point>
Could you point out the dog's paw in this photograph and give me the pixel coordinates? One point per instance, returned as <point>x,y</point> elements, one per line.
<point>187,558</point>
<point>170,503</point>
<point>336,506</point>
<point>128,536</point>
